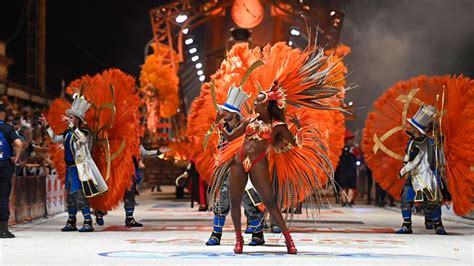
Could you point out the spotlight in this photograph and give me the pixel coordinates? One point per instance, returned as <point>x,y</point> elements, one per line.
<point>332,13</point>
<point>189,41</point>
<point>202,78</point>
<point>198,66</point>
<point>185,31</point>
<point>193,50</point>
<point>195,58</point>
<point>358,163</point>
<point>200,72</point>
<point>181,18</point>
<point>290,43</point>
<point>295,32</point>
<point>351,103</point>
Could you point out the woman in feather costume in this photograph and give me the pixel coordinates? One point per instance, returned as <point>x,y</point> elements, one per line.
<point>270,148</point>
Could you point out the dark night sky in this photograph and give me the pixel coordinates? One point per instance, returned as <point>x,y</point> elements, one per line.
<point>391,40</point>
<point>83,37</point>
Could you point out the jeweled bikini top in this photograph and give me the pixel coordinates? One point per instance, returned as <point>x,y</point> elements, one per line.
<point>259,130</point>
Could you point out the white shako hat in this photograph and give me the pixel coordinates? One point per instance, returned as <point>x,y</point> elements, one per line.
<point>235,99</point>
<point>79,107</point>
<point>423,118</point>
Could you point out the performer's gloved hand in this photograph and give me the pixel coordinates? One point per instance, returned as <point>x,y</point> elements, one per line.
<point>43,120</point>
<point>400,175</point>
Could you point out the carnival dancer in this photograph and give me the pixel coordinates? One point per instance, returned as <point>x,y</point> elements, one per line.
<point>279,140</point>
<point>269,124</point>
<point>83,178</point>
<point>450,159</point>
<point>230,112</point>
<point>423,184</point>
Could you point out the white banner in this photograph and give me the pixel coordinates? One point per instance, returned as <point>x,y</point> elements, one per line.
<point>55,194</point>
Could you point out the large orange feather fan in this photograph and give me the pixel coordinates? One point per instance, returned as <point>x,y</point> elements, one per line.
<point>114,121</point>
<point>384,140</point>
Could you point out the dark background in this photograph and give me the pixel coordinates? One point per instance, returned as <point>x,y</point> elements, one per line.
<point>391,40</point>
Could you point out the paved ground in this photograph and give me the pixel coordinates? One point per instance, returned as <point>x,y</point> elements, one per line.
<point>174,234</point>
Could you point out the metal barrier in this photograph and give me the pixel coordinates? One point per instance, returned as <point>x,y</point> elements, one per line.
<point>35,194</point>
<point>30,197</point>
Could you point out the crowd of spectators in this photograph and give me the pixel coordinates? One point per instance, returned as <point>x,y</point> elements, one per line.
<point>34,159</point>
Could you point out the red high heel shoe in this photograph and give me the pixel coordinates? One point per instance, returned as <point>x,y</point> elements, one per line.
<point>239,244</point>
<point>290,245</point>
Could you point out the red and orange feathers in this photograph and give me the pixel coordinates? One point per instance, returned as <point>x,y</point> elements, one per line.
<point>384,140</point>
<point>114,120</point>
<point>296,71</point>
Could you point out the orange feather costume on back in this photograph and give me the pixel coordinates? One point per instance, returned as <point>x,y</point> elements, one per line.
<point>113,119</point>
<point>309,82</point>
<point>384,138</point>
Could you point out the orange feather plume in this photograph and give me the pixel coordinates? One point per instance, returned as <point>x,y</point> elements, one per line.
<point>160,84</point>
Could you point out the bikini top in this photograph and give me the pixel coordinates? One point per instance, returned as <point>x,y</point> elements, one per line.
<point>259,130</point>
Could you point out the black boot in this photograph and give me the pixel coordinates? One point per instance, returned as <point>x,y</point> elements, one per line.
<point>405,229</point>
<point>87,227</point>
<point>70,226</point>
<point>257,239</point>
<point>428,223</point>
<point>439,228</point>
<point>214,239</point>
<point>99,217</point>
<point>130,222</point>
<point>4,233</point>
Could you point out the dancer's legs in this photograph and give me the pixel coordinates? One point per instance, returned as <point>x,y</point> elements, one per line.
<point>237,182</point>
<point>261,181</point>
